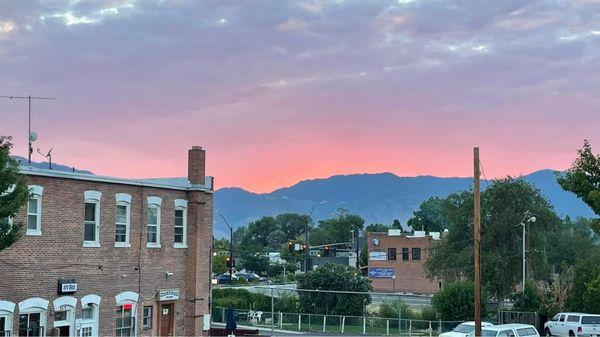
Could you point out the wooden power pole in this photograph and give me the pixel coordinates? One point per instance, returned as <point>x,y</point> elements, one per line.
<point>477,242</point>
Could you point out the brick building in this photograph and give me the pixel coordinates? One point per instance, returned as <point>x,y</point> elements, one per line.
<point>396,262</point>
<point>106,256</point>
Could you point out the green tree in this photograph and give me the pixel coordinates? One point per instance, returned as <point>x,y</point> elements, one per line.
<point>528,300</point>
<point>13,194</point>
<point>334,277</point>
<point>219,264</point>
<point>377,228</point>
<point>584,295</point>
<point>583,179</point>
<point>337,229</point>
<point>429,217</point>
<point>504,204</point>
<point>454,302</point>
<point>572,241</point>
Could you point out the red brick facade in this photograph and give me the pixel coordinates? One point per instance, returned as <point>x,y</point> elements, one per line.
<point>409,274</point>
<point>32,266</point>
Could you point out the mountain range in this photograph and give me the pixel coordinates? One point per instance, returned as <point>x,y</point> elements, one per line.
<point>378,198</point>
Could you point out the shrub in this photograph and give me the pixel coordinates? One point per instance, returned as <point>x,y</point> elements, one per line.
<point>455,302</point>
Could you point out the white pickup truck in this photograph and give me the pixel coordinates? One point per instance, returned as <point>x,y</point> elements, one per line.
<point>573,324</point>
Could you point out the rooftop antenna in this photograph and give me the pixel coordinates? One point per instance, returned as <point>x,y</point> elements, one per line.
<point>31,136</point>
<point>48,157</point>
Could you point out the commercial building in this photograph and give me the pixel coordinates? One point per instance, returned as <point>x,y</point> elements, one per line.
<point>396,261</point>
<point>103,256</point>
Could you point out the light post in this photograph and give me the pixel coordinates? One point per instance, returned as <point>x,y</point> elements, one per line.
<point>306,258</point>
<point>526,219</point>
<point>394,283</point>
<point>230,248</point>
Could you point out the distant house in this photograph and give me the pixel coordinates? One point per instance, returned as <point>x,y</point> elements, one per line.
<point>396,261</point>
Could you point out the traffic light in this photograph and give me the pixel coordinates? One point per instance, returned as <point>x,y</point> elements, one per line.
<point>326,251</point>
<point>230,262</point>
<point>304,247</point>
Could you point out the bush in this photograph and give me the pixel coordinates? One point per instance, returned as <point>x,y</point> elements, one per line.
<point>528,300</point>
<point>455,302</point>
<point>334,277</point>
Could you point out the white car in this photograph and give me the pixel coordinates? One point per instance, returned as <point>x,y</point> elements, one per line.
<point>573,324</point>
<point>463,329</point>
<point>508,330</point>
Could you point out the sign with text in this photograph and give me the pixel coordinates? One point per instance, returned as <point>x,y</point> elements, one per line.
<point>381,272</point>
<point>377,256</point>
<point>67,286</point>
<point>168,294</point>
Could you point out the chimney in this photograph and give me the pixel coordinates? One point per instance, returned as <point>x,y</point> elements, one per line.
<point>196,165</point>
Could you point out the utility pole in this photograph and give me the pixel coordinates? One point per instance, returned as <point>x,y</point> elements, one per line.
<point>307,257</point>
<point>30,138</point>
<point>230,266</point>
<point>477,241</point>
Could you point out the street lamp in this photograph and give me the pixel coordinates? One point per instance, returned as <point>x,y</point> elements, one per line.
<point>306,234</point>
<point>528,218</point>
<point>230,248</point>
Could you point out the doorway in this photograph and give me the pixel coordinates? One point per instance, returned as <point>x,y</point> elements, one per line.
<point>166,319</point>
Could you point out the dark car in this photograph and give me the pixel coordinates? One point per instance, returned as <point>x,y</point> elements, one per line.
<point>224,278</point>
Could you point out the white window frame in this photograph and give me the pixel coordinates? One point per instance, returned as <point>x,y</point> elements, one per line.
<point>124,199</point>
<point>35,305</point>
<point>129,297</point>
<point>148,319</point>
<point>181,204</point>
<point>35,192</point>
<point>7,310</point>
<point>92,197</point>
<point>154,202</point>
<point>91,301</point>
<point>68,304</point>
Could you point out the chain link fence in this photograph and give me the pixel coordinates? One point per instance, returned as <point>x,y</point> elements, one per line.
<point>282,310</point>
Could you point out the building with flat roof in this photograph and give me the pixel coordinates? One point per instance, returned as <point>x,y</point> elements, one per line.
<point>104,256</point>
<point>396,261</point>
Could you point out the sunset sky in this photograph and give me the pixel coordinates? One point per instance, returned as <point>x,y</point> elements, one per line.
<point>281,91</point>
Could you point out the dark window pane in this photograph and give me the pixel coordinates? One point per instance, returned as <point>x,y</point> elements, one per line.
<point>32,221</point>
<point>152,216</point>
<point>121,233</point>
<point>32,207</point>
<point>151,236</point>
<point>416,254</point>
<point>89,231</point>
<point>404,254</point>
<point>121,214</point>
<point>90,211</point>
<point>391,255</point>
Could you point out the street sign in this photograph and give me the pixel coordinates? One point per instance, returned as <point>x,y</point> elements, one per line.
<point>381,273</point>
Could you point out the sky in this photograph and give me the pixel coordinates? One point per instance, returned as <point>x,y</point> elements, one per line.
<point>281,91</point>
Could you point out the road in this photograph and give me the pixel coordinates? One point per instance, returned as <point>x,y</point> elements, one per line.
<point>280,290</point>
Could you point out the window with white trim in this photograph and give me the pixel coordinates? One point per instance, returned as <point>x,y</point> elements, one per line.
<point>34,210</point>
<point>6,318</point>
<point>91,220</point>
<point>180,232</point>
<point>122,220</point>
<point>126,313</point>
<point>147,317</point>
<point>32,317</point>
<point>153,222</point>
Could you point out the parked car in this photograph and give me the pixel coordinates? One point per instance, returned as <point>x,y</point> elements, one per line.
<point>224,278</point>
<point>573,324</point>
<point>463,329</point>
<point>508,330</point>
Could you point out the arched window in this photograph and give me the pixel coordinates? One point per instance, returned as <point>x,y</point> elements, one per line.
<point>64,315</point>
<point>90,315</point>
<point>126,313</point>
<point>91,220</point>
<point>32,317</point>
<point>34,210</point>
<point>7,310</point>
<point>122,219</point>
<point>180,239</point>
<point>153,222</point>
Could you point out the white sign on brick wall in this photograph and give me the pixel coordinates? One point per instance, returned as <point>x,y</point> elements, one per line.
<point>168,294</point>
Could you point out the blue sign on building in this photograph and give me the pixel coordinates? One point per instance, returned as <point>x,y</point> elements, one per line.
<point>381,272</point>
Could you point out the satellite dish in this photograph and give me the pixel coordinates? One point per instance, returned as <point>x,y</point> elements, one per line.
<point>33,136</point>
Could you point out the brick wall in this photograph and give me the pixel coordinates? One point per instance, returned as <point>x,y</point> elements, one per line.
<point>33,265</point>
<point>410,275</point>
